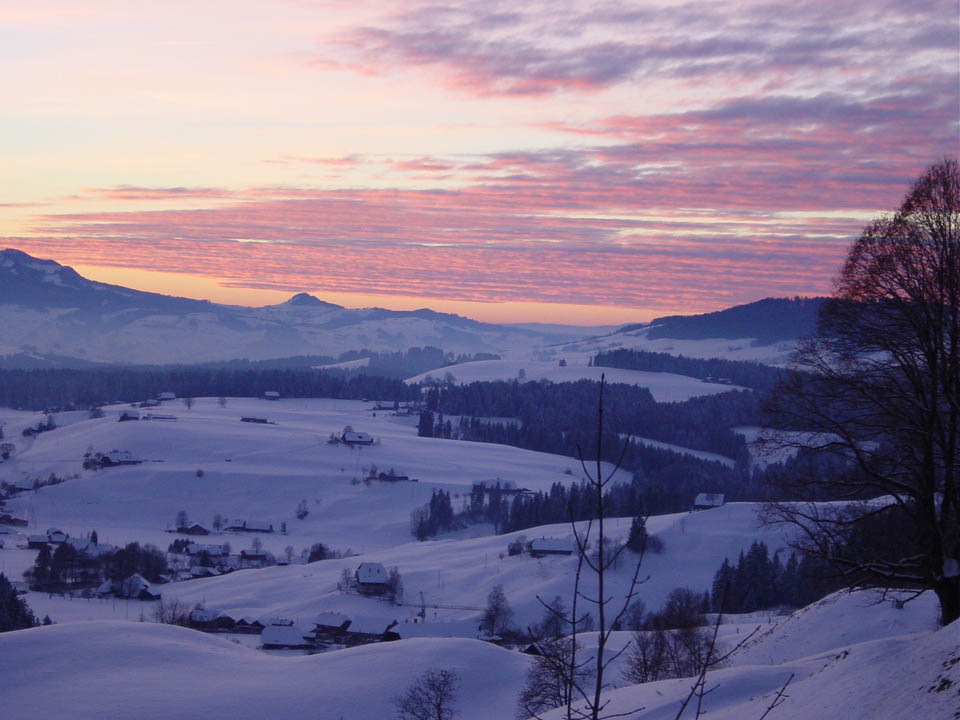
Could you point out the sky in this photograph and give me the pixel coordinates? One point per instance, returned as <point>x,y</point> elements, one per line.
<point>557,161</point>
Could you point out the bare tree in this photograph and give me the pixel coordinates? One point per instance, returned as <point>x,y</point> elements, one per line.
<point>189,402</point>
<point>877,388</point>
<point>583,699</point>
<point>549,682</point>
<point>222,402</point>
<point>432,696</point>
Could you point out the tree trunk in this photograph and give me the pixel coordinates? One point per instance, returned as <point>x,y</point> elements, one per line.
<point>948,592</point>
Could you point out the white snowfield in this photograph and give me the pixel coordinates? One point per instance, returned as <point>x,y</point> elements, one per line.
<point>113,668</point>
<point>146,671</point>
<point>665,387</point>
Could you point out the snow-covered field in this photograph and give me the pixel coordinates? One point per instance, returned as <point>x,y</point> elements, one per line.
<point>665,387</point>
<point>116,665</point>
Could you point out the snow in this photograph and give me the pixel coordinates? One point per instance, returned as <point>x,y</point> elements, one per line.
<point>144,670</point>
<point>665,387</point>
<point>843,651</point>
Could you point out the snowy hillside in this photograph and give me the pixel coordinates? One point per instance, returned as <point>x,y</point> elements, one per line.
<point>144,670</point>
<point>665,387</point>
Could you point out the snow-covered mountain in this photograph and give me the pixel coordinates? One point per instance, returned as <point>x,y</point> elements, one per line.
<point>52,316</point>
<point>47,309</point>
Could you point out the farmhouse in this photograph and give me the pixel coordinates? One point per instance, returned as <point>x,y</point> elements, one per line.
<point>551,546</point>
<point>6,519</point>
<point>166,396</point>
<point>372,579</point>
<point>195,529</point>
<point>351,437</point>
<point>705,501</point>
<point>249,526</point>
<point>392,477</point>
<point>284,636</point>
<point>134,587</point>
<point>129,415</point>
<point>363,632</point>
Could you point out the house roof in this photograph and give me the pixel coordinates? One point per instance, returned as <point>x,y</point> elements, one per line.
<point>709,500</point>
<point>330,619</point>
<point>557,545</point>
<point>372,573</point>
<point>285,636</point>
<point>349,437</point>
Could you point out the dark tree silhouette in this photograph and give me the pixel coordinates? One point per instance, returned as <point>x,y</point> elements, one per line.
<point>879,386</point>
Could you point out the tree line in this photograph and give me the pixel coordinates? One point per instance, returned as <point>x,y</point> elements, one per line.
<point>746,374</point>
<point>72,388</point>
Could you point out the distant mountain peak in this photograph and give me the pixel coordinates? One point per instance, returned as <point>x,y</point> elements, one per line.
<point>307,300</point>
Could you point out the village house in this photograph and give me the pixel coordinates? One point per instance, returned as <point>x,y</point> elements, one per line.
<point>118,457</point>
<point>351,437</point>
<point>6,519</point>
<point>134,587</point>
<point>249,526</point>
<point>129,415</point>
<point>285,636</point>
<point>551,546</point>
<point>372,579</point>
<point>194,529</point>
<point>705,501</point>
<point>166,396</point>
<point>210,549</point>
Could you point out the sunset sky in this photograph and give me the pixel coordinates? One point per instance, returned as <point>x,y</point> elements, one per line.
<point>559,161</point>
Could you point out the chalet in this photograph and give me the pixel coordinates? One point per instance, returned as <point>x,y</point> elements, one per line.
<point>20,486</point>
<point>150,403</point>
<point>166,396</point>
<point>257,420</point>
<point>248,624</point>
<point>35,542</point>
<point>6,519</point>
<point>271,395</point>
<point>551,546</point>
<point>202,618</point>
<point>392,477</point>
<point>249,526</point>
<point>134,587</point>
<point>705,501</point>
<point>372,579</point>
<point>195,529</point>
<point>350,437</point>
<point>363,632</point>
<point>330,626</point>
<point>56,536</point>
<point>129,415</point>
<point>284,636</point>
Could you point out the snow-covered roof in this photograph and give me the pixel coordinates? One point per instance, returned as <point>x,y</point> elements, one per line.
<point>357,437</point>
<point>372,574</point>
<point>709,500</point>
<point>330,619</point>
<point>552,545</point>
<point>284,636</point>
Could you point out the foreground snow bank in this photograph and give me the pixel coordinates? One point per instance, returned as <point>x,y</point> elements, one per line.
<point>143,670</point>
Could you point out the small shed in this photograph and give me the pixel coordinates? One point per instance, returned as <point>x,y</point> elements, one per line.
<point>705,501</point>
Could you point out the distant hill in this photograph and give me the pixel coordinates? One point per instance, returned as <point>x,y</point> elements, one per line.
<point>51,316</point>
<point>768,321</point>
